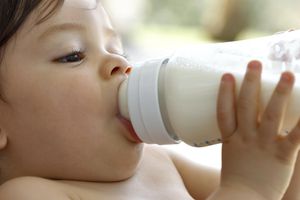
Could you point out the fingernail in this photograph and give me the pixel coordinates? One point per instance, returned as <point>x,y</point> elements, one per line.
<point>286,77</point>
<point>254,65</point>
<point>227,78</point>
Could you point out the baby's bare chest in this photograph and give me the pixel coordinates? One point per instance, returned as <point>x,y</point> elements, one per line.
<point>138,193</point>
<point>166,188</point>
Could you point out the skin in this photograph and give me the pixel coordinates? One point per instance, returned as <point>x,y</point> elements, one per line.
<point>66,106</point>
<point>60,132</point>
<point>256,159</point>
<point>61,137</point>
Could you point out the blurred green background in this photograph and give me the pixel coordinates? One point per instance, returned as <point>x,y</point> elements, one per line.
<point>156,27</point>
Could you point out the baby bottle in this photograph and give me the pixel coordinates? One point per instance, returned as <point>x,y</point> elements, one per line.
<point>174,99</point>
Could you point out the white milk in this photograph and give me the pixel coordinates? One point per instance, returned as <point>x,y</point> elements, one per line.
<point>174,99</point>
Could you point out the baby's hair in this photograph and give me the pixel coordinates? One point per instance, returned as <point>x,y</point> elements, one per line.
<point>13,13</point>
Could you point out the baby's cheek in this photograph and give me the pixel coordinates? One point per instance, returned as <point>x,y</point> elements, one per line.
<point>84,97</point>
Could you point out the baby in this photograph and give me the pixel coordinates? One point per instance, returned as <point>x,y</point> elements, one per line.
<point>62,138</point>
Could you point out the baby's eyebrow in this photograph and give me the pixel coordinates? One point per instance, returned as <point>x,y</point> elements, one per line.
<point>61,28</point>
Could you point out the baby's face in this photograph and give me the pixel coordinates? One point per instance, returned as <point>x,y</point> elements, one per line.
<point>61,79</point>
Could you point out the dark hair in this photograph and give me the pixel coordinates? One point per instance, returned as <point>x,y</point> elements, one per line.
<point>13,13</point>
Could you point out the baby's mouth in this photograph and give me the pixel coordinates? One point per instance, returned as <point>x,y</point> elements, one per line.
<point>132,134</point>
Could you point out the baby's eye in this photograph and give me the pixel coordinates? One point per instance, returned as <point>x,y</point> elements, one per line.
<point>76,56</point>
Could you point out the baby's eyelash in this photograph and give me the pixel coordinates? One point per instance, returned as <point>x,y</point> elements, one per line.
<point>78,56</point>
<point>74,56</point>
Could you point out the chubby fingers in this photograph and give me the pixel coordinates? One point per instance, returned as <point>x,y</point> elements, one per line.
<point>294,136</point>
<point>226,106</point>
<point>274,112</point>
<point>248,100</point>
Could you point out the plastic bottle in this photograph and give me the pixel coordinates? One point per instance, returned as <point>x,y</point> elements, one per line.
<point>174,99</point>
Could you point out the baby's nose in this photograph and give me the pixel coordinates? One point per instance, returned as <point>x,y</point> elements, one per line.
<point>120,70</point>
<point>116,65</point>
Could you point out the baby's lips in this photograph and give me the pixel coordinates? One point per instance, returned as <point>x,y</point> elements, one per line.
<point>126,123</point>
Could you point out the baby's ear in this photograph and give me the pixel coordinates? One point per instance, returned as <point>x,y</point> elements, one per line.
<point>3,139</point>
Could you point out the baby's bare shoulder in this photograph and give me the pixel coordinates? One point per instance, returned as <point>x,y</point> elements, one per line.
<point>32,188</point>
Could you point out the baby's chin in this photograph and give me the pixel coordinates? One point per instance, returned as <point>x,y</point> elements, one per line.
<point>113,176</point>
<point>118,173</point>
<point>123,174</point>
<point>97,178</point>
<point>118,177</point>
<point>106,170</point>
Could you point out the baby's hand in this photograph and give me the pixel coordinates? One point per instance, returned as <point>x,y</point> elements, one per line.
<point>254,156</point>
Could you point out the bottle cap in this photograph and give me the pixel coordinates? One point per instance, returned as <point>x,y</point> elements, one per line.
<point>143,104</point>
